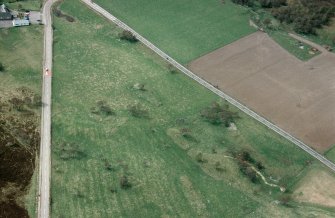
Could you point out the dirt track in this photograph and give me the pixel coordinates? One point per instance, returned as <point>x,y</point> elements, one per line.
<point>297,96</point>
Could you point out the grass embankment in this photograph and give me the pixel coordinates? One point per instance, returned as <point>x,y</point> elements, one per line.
<point>153,148</point>
<point>20,87</point>
<point>185,29</point>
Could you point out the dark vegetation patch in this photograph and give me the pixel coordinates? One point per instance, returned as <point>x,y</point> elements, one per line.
<point>247,165</point>
<point>128,36</point>
<point>172,69</point>
<point>2,67</point>
<point>218,114</point>
<point>125,182</point>
<point>102,108</point>
<point>58,13</point>
<point>200,158</point>
<point>19,140</point>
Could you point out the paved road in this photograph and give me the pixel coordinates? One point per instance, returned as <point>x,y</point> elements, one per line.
<point>234,102</point>
<point>45,161</point>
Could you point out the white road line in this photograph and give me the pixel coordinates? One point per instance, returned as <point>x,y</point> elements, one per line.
<point>204,83</point>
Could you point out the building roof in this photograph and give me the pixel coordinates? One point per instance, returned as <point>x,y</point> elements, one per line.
<point>5,16</point>
<point>20,22</point>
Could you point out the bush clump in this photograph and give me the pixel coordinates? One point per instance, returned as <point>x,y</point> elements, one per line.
<point>125,183</point>
<point>2,67</point>
<point>128,36</point>
<point>200,158</point>
<point>102,108</point>
<point>219,114</point>
<point>247,165</point>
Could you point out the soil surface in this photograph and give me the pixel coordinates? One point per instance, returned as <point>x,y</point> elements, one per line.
<point>295,95</point>
<point>19,139</point>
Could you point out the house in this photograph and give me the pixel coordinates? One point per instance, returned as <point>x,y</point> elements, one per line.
<point>20,22</point>
<point>5,13</point>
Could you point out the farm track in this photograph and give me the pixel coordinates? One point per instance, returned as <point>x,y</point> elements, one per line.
<point>234,102</point>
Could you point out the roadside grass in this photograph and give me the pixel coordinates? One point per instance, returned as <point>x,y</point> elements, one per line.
<point>331,154</point>
<point>184,29</point>
<point>21,55</point>
<point>30,5</point>
<point>92,152</point>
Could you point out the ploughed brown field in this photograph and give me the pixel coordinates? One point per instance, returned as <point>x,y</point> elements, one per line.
<point>297,96</point>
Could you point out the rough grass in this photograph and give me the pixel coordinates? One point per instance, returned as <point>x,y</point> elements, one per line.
<point>159,162</point>
<point>292,45</point>
<point>185,29</point>
<point>317,188</point>
<point>21,54</point>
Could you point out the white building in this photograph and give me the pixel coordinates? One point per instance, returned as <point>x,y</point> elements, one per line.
<point>20,22</point>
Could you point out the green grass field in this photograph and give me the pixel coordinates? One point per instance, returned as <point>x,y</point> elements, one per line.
<point>91,152</point>
<point>30,5</point>
<point>176,27</point>
<point>21,55</point>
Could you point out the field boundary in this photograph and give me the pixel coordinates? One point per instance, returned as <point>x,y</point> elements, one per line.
<point>209,86</point>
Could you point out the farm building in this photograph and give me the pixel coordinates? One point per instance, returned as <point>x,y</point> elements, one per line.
<point>4,13</point>
<point>20,22</point>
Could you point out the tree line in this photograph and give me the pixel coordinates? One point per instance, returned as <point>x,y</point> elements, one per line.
<point>305,15</point>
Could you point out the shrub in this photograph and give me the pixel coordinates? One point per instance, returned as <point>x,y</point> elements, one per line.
<point>102,108</point>
<point>172,69</point>
<point>125,183</point>
<point>18,104</point>
<point>37,101</point>
<point>248,171</point>
<point>200,158</point>
<point>219,114</point>
<point>219,167</point>
<point>127,35</point>
<point>2,67</point>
